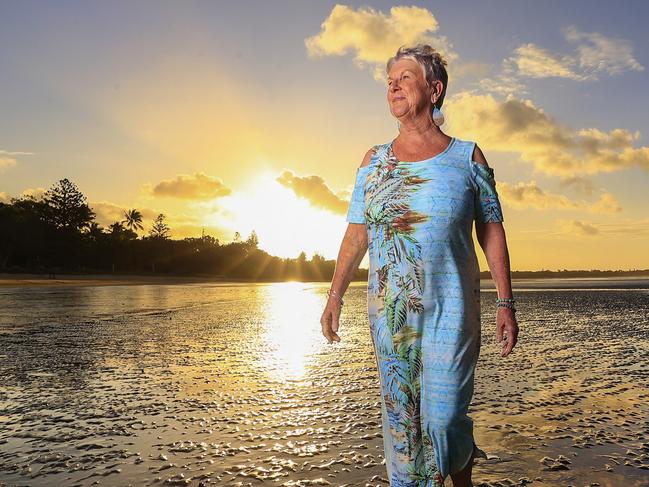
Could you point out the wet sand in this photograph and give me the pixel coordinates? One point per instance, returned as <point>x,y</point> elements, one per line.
<point>203,384</point>
<point>30,280</point>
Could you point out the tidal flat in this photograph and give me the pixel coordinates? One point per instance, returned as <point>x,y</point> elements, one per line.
<point>234,385</point>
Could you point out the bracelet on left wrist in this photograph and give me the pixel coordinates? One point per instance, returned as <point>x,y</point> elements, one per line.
<point>333,292</point>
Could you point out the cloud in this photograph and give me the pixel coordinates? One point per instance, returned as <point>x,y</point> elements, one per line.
<point>529,195</point>
<point>577,227</point>
<point>197,186</point>
<point>592,54</point>
<point>536,62</point>
<point>181,224</point>
<point>503,84</point>
<point>600,54</point>
<point>374,36</point>
<point>36,193</point>
<point>607,203</point>
<point>519,126</point>
<point>8,158</point>
<point>108,212</point>
<point>315,190</point>
<point>629,228</point>
<point>622,228</point>
<point>580,183</point>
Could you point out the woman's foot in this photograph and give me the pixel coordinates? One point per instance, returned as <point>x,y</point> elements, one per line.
<point>463,477</point>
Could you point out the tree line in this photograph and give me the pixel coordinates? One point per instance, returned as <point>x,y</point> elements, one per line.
<point>57,233</point>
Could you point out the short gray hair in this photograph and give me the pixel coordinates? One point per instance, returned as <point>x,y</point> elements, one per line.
<point>431,61</point>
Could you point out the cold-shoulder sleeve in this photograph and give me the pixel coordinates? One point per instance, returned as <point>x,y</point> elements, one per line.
<point>356,211</point>
<point>487,203</point>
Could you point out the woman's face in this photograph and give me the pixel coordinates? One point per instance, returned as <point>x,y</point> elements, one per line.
<point>407,89</point>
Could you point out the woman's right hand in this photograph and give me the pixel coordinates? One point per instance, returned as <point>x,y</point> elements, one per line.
<point>330,319</point>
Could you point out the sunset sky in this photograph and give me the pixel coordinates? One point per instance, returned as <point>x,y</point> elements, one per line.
<point>234,116</point>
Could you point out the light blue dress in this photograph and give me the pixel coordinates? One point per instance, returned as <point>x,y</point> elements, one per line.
<point>423,297</point>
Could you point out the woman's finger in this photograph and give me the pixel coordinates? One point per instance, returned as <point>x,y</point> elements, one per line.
<point>327,321</point>
<point>499,330</point>
<point>335,319</point>
<point>511,337</point>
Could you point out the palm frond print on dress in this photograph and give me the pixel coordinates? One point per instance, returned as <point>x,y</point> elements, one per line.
<point>398,291</point>
<point>423,296</point>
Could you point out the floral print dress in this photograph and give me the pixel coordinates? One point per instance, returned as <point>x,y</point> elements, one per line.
<point>423,297</point>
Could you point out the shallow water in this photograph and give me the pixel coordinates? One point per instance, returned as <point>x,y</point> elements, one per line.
<point>235,385</point>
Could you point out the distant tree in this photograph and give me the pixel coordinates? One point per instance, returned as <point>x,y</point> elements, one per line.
<point>253,240</point>
<point>116,229</point>
<point>133,220</point>
<point>237,237</point>
<point>160,229</point>
<point>95,231</point>
<point>208,239</point>
<point>120,232</point>
<point>66,206</point>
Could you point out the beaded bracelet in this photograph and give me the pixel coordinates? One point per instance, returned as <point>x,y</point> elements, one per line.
<point>335,293</point>
<point>506,303</point>
<point>505,300</point>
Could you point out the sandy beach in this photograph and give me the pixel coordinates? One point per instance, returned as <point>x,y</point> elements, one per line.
<point>235,386</point>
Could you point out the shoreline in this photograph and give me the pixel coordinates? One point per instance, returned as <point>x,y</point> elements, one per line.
<point>39,280</point>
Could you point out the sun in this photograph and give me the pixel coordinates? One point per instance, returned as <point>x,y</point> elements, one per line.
<point>284,223</point>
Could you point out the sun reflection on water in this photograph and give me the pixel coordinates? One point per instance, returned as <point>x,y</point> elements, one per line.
<point>292,331</point>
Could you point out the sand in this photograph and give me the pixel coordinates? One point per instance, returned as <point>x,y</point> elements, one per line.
<point>30,280</point>
<point>235,386</point>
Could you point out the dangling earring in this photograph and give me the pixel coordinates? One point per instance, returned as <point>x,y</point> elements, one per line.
<point>438,116</point>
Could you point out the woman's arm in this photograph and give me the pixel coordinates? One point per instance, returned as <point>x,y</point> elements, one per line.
<point>492,239</point>
<point>351,253</point>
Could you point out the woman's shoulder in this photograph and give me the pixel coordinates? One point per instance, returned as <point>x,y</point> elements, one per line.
<point>379,151</point>
<point>465,148</point>
<point>464,143</point>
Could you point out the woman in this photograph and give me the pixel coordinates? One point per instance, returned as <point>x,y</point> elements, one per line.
<point>413,206</point>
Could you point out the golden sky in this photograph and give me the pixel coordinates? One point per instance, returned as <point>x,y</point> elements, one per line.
<point>227,118</point>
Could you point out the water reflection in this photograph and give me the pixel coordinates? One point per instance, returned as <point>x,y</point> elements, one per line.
<point>292,332</point>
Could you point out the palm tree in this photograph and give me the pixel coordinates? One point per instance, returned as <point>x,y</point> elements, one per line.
<point>133,220</point>
<point>116,229</point>
<point>95,231</point>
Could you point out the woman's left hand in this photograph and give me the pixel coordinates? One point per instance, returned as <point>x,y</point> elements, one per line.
<point>506,329</point>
